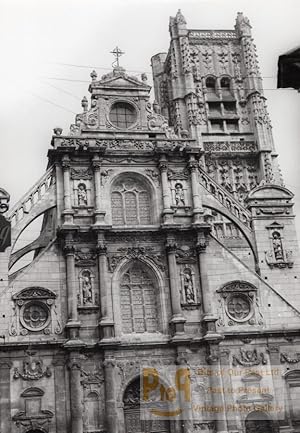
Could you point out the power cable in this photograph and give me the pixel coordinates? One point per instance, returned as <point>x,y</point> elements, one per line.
<point>52,103</point>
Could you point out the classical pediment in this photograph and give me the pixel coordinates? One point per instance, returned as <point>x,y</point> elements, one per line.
<point>120,79</point>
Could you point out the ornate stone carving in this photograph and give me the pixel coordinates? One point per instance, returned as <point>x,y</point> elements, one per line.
<point>81,173</point>
<point>260,113</point>
<point>249,358</point>
<point>206,54</point>
<point>185,54</point>
<point>285,357</point>
<point>95,377</point>
<point>88,119</point>
<point>242,25</point>
<point>239,304</point>
<point>222,53</point>
<point>85,258</point>
<point>135,253</point>
<point>34,311</point>
<point>178,174</point>
<point>32,370</point>
<point>154,174</point>
<point>232,146</point>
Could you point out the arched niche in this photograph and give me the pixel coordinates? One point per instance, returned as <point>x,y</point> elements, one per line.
<point>259,422</point>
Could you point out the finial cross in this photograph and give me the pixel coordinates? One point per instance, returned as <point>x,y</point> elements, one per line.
<point>117,53</point>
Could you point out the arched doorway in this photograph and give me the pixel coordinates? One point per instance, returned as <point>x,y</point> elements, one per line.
<point>258,422</point>
<point>133,421</point>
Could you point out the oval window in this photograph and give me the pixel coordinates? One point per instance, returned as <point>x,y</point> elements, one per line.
<point>122,115</point>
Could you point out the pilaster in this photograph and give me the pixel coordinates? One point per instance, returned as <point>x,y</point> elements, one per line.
<point>178,319</point>
<point>106,322</point>
<point>110,394</point>
<point>99,213</point>
<point>166,192</point>
<point>68,211</point>
<point>61,413</point>
<point>73,323</point>
<point>75,393</point>
<point>5,406</point>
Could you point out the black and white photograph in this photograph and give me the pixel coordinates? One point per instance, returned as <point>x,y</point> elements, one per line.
<point>150,216</point>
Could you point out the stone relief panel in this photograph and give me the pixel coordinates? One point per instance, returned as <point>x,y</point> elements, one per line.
<point>34,312</point>
<point>34,416</point>
<point>32,369</point>
<point>138,252</point>
<point>239,305</point>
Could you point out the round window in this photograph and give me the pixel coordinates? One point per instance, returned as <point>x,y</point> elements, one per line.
<point>35,316</point>
<point>122,115</point>
<point>239,307</point>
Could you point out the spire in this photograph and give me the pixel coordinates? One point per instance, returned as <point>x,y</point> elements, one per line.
<point>242,25</point>
<point>180,18</point>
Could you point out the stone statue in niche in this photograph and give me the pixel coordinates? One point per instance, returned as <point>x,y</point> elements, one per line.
<point>82,195</point>
<point>179,194</point>
<point>189,288</point>
<point>277,246</point>
<point>87,290</point>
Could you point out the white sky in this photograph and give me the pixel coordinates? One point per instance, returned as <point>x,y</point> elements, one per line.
<point>38,36</point>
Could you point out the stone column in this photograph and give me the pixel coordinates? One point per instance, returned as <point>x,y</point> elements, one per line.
<point>60,394</point>
<point>5,407</point>
<point>166,192</point>
<point>197,203</point>
<point>106,322</point>
<point>73,323</point>
<point>68,212</point>
<point>99,214</point>
<point>75,393</point>
<point>216,383</point>
<point>110,395</point>
<point>177,317</point>
<point>208,317</point>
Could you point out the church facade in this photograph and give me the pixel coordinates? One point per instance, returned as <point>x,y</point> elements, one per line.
<point>168,241</point>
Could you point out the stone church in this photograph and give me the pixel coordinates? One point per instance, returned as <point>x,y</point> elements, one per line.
<point>168,241</point>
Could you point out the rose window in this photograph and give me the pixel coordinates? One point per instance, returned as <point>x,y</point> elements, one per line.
<point>239,307</point>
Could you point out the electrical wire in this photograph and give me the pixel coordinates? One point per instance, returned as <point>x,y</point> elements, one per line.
<point>52,103</point>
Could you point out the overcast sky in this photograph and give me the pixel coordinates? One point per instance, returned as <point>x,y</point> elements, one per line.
<point>48,49</point>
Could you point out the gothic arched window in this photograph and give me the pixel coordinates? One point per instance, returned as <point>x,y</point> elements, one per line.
<point>138,300</point>
<point>210,84</point>
<point>130,202</point>
<point>225,83</point>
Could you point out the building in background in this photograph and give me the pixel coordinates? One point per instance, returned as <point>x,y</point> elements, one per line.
<point>168,242</point>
